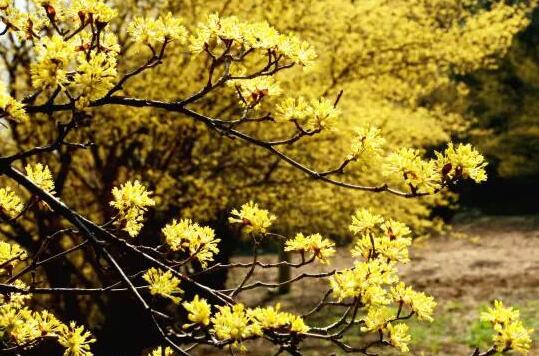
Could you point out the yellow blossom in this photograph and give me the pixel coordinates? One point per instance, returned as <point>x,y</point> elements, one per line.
<point>10,203</point>
<point>500,314</point>
<point>253,91</point>
<point>462,161</point>
<point>377,318</point>
<point>368,144</point>
<point>199,311</point>
<point>364,220</point>
<point>41,175</point>
<point>233,323</point>
<point>365,281</point>
<point>399,336</point>
<point>131,200</point>
<point>315,244</point>
<point>10,108</point>
<point>10,253</point>
<point>154,31</point>
<point>163,283</point>
<point>198,241</point>
<point>420,303</point>
<point>292,109</point>
<point>95,10</point>
<point>94,77</point>
<point>76,340</point>
<point>421,175</point>
<point>513,336</point>
<point>321,114</point>
<point>160,352</point>
<point>253,219</point>
<point>54,57</point>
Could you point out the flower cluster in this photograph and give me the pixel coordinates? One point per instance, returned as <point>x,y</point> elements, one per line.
<point>41,175</point>
<point>54,57</point>
<point>421,304</point>
<point>219,34</point>
<point>272,318</point>
<point>367,144</point>
<point>254,220</point>
<point>252,91</point>
<point>510,333</point>
<point>95,76</point>
<point>198,241</point>
<point>10,253</point>
<point>455,163</point>
<point>379,237</point>
<point>10,108</point>
<point>315,114</point>
<point>76,340</point>
<point>461,162</point>
<point>419,174</point>
<point>163,283</point>
<point>315,244</point>
<point>167,351</point>
<point>157,31</point>
<point>131,200</point>
<point>366,280</point>
<point>233,323</point>
<point>20,325</point>
<point>199,311</point>
<point>10,203</point>
<point>93,11</point>
<point>374,282</point>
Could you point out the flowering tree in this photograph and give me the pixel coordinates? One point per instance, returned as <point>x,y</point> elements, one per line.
<point>65,57</point>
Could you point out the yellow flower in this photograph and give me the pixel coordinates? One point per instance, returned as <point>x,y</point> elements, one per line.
<point>154,31</point>
<point>10,203</point>
<point>54,57</point>
<point>253,90</point>
<point>274,318</point>
<point>10,108</point>
<point>75,340</point>
<point>513,336</point>
<point>199,311</point>
<point>163,283</point>
<point>377,318</point>
<point>233,323</point>
<point>407,164</point>
<point>420,303</point>
<point>292,109</point>
<point>300,52</point>
<point>198,241</point>
<point>368,144</point>
<point>131,200</point>
<point>321,114</point>
<point>315,244</point>
<point>41,175</point>
<point>399,336</point>
<point>47,323</point>
<point>93,9</point>
<point>10,253</point>
<point>160,352</point>
<point>17,300</point>
<point>94,77</point>
<point>364,220</point>
<point>364,281</point>
<point>254,219</point>
<point>462,161</point>
<point>500,314</point>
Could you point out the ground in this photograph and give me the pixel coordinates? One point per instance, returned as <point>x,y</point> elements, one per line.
<point>491,258</point>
